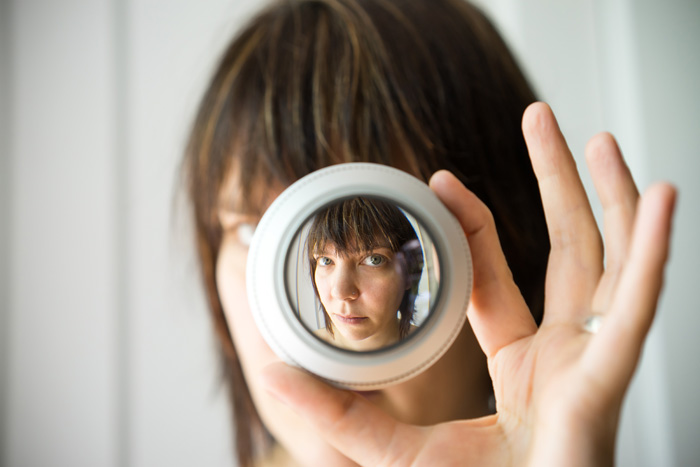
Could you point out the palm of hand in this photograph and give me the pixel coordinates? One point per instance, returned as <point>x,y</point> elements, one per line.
<point>540,383</point>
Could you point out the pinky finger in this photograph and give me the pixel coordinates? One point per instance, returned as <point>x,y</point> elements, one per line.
<point>615,350</point>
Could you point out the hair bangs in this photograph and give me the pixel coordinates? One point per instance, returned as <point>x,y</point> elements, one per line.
<point>313,91</point>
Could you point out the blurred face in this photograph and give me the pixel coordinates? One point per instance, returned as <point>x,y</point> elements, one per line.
<point>462,394</point>
<point>361,293</point>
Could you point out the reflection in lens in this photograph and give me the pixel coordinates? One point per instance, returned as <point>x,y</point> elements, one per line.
<point>362,274</point>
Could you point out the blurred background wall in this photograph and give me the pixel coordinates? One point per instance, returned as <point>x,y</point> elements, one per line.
<point>106,354</point>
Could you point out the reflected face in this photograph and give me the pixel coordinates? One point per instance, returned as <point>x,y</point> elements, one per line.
<point>361,293</point>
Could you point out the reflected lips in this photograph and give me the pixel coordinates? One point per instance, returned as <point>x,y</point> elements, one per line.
<point>350,319</point>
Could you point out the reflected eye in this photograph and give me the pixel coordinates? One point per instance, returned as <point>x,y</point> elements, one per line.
<point>375,260</point>
<point>324,261</point>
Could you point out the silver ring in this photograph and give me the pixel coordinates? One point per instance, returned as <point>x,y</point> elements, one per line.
<point>593,323</point>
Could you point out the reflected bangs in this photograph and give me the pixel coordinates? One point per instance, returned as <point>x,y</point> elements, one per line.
<point>354,226</point>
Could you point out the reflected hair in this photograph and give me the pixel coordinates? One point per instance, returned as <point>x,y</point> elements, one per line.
<point>359,225</point>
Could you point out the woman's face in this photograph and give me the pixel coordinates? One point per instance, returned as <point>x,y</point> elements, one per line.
<point>361,292</point>
<point>460,376</point>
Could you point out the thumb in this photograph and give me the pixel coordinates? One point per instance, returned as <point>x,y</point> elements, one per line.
<point>498,313</point>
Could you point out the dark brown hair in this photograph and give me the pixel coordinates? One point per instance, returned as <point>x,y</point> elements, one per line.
<point>359,225</point>
<point>420,85</point>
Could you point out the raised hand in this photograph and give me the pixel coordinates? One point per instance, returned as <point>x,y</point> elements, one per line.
<point>559,388</point>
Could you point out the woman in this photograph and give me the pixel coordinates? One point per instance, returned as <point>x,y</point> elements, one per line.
<point>425,86</point>
<point>366,264</point>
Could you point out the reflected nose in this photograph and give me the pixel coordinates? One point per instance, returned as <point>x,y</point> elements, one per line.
<point>344,285</point>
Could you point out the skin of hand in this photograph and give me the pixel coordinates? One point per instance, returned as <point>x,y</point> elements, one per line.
<point>559,389</point>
